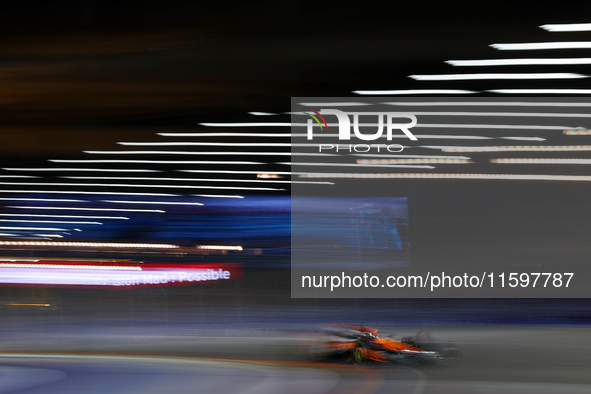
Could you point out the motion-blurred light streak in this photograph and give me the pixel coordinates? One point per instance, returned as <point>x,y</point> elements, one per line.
<point>385,156</point>
<point>519,148</point>
<point>117,276</point>
<point>462,77</point>
<point>90,244</point>
<point>540,161</point>
<point>72,266</point>
<point>486,104</point>
<point>90,193</point>
<point>520,62</point>
<point>186,179</point>
<point>509,114</point>
<point>414,161</point>
<point>219,247</point>
<point>490,126</point>
<point>89,209</point>
<point>234,172</point>
<point>151,202</point>
<point>154,161</point>
<point>46,221</point>
<point>337,104</point>
<point>217,196</point>
<point>543,45</point>
<point>567,27</point>
<point>208,153</point>
<point>18,176</point>
<point>272,135</point>
<point>142,186</point>
<point>357,165</point>
<point>34,229</point>
<point>177,143</point>
<point>518,177</point>
<point>80,169</point>
<point>40,199</point>
<point>540,91</point>
<point>413,91</point>
<point>64,216</point>
<point>247,124</point>
<point>580,131</point>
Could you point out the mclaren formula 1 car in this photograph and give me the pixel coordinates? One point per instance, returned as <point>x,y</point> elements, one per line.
<point>362,345</point>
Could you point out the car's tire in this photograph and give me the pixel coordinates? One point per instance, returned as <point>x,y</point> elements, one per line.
<point>359,357</point>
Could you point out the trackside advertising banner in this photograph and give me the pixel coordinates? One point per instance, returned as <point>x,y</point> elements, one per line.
<point>85,273</point>
<point>441,197</point>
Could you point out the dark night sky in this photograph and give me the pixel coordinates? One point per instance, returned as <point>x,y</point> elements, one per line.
<point>75,74</point>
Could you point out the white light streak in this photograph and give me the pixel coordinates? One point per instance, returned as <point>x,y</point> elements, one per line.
<point>540,91</point>
<point>32,229</point>
<point>422,136</point>
<point>92,244</point>
<point>151,202</point>
<point>217,196</point>
<point>517,177</point>
<point>143,186</point>
<point>204,143</point>
<point>40,199</point>
<point>156,152</point>
<point>89,209</point>
<point>181,179</point>
<point>470,137</point>
<point>70,266</point>
<point>524,114</point>
<point>519,62</point>
<point>64,216</point>
<point>247,124</point>
<point>543,45</point>
<point>410,156</point>
<point>236,172</point>
<point>336,104</point>
<point>424,91</point>
<point>567,27</point>
<point>84,192</point>
<point>523,138</point>
<point>50,235</point>
<point>219,247</point>
<point>274,135</point>
<point>448,137</point>
<point>486,104</point>
<point>442,125</point>
<point>13,260</point>
<point>79,169</point>
<point>460,77</point>
<point>46,221</point>
<point>516,148</point>
<point>463,125</point>
<point>355,165</point>
<point>540,161</point>
<point>414,161</point>
<point>490,126</point>
<point>155,161</point>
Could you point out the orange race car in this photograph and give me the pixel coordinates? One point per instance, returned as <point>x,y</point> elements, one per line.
<point>358,344</point>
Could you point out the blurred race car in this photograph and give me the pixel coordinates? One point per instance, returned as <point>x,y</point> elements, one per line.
<point>361,345</point>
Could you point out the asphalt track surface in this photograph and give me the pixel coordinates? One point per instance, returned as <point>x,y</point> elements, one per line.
<point>496,360</point>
